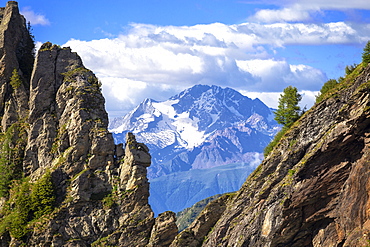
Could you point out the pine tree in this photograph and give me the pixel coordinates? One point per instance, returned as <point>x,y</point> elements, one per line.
<point>288,110</point>
<point>15,80</point>
<point>43,196</point>
<point>366,54</point>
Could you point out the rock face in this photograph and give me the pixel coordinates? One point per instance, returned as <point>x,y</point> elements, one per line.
<point>195,234</point>
<point>16,53</point>
<point>54,122</point>
<point>313,188</point>
<point>164,230</point>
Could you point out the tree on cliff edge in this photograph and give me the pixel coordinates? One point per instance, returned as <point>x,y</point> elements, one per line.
<point>288,110</point>
<point>366,54</point>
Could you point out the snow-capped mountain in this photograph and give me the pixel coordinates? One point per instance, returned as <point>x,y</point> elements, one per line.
<point>200,128</point>
<point>199,121</point>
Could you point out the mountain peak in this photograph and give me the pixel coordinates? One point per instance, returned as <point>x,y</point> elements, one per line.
<point>198,90</point>
<point>200,128</point>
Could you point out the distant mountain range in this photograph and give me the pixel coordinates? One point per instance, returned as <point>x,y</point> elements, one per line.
<point>201,128</point>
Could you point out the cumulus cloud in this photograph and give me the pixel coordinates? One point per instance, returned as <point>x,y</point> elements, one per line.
<point>275,75</point>
<point>159,61</point>
<point>303,10</point>
<point>290,14</point>
<point>271,99</point>
<point>33,18</point>
<point>123,94</point>
<point>330,4</point>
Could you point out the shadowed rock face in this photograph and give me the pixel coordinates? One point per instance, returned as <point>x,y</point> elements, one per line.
<point>313,188</point>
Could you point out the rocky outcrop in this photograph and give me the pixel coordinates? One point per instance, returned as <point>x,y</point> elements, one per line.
<point>313,188</point>
<point>164,230</point>
<point>195,234</point>
<point>16,54</point>
<point>99,192</point>
<point>63,180</point>
<point>185,217</point>
<point>66,116</point>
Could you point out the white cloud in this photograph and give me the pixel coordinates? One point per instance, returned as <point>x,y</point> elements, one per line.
<point>303,10</point>
<point>330,4</point>
<point>289,14</point>
<point>275,75</point>
<point>159,61</point>
<point>271,99</point>
<point>33,18</point>
<point>123,94</point>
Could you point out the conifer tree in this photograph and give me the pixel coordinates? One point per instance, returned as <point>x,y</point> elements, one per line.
<point>288,110</point>
<point>15,80</point>
<point>366,54</point>
<point>43,196</point>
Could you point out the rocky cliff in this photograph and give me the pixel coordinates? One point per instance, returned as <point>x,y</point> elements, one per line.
<point>63,180</point>
<point>312,189</point>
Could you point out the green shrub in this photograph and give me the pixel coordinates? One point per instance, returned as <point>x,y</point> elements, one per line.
<point>12,144</point>
<point>43,196</point>
<point>350,68</point>
<point>17,211</point>
<point>27,202</point>
<point>326,88</point>
<point>275,141</point>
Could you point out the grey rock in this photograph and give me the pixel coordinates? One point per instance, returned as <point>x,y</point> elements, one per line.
<point>164,230</point>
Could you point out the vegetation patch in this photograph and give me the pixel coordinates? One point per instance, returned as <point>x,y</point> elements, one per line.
<point>43,196</point>
<point>95,84</point>
<point>329,85</point>
<point>58,138</point>
<point>13,143</point>
<point>104,242</point>
<point>275,141</point>
<point>28,202</point>
<point>366,54</point>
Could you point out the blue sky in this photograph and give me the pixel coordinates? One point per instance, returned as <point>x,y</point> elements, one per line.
<point>154,49</point>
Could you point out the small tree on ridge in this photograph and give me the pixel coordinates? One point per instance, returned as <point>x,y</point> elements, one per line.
<point>366,54</point>
<point>288,110</point>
